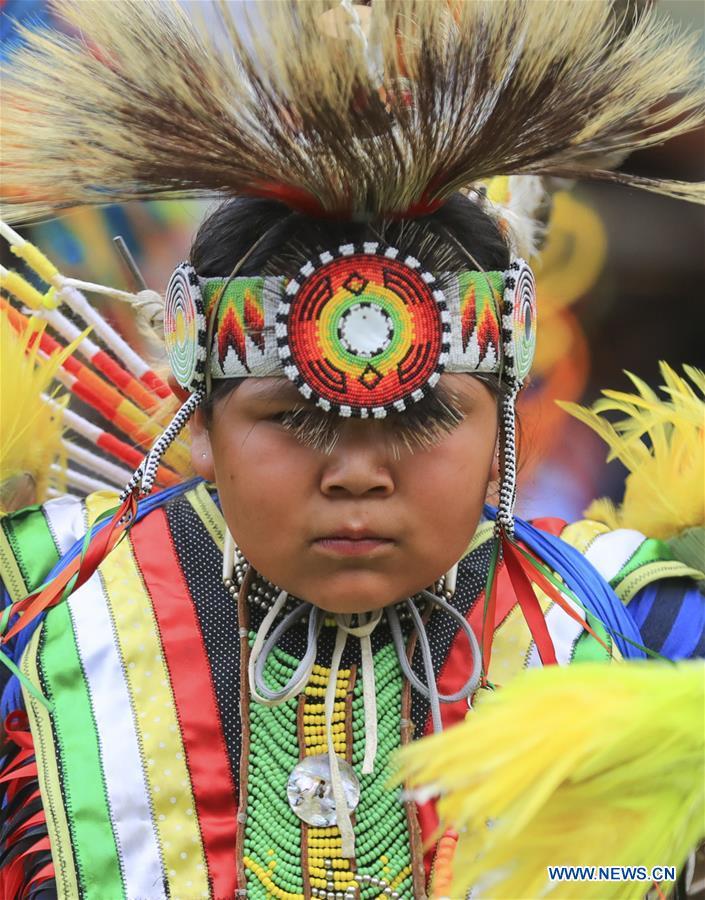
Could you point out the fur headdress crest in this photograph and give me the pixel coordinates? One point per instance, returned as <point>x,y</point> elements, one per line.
<point>337,109</point>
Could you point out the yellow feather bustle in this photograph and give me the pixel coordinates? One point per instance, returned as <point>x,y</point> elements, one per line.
<point>665,489</point>
<point>31,428</point>
<point>587,765</point>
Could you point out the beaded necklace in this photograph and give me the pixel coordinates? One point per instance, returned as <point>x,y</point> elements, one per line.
<point>285,857</point>
<point>336,723</point>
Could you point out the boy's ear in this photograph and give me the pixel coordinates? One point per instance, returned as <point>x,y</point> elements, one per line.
<point>492,495</point>
<point>201,450</point>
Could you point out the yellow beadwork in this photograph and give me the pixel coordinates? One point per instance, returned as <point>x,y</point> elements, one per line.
<point>312,691</point>
<point>324,844</point>
<point>404,873</point>
<point>264,877</point>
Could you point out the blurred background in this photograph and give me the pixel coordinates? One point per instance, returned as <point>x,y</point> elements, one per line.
<point>621,285</point>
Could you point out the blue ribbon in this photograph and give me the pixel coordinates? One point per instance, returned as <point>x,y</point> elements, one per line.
<point>585,581</point>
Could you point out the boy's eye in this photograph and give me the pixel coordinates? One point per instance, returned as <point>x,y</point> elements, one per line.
<point>308,425</point>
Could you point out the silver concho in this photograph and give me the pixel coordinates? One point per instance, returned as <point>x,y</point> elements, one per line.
<point>185,327</point>
<point>520,317</point>
<point>310,791</point>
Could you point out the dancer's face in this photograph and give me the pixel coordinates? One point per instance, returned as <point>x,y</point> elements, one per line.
<point>361,526</point>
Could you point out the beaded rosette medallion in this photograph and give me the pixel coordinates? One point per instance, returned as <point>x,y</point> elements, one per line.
<point>361,330</point>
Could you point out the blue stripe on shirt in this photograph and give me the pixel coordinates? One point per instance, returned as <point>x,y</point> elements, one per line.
<point>671,616</point>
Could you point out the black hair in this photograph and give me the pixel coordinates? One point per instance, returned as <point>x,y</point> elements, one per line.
<point>234,227</point>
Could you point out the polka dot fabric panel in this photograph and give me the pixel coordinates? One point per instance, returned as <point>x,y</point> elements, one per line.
<point>201,562</point>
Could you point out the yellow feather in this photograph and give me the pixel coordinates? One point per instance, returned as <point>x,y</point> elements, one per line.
<point>585,765</point>
<point>31,429</point>
<point>661,441</point>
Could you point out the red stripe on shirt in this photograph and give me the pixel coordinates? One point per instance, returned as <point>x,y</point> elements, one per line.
<point>194,694</point>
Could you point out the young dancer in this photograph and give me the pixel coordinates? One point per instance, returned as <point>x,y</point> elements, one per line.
<point>211,684</point>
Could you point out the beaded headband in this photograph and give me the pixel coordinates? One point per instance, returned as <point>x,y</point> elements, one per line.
<point>361,330</point>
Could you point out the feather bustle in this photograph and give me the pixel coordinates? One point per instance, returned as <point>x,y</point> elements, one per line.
<point>589,765</point>
<point>32,429</point>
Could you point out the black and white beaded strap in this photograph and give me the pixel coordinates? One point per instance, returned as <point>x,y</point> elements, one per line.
<point>143,479</point>
<point>508,475</point>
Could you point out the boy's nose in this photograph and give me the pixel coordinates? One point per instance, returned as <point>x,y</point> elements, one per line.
<point>358,465</point>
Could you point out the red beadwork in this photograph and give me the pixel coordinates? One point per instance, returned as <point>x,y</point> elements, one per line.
<point>364,332</point>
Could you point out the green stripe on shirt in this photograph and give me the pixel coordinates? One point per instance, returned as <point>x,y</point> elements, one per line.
<point>10,572</point>
<point>84,790</point>
<point>32,544</point>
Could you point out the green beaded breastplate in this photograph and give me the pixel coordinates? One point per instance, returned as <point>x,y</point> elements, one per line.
<point>283,856</point>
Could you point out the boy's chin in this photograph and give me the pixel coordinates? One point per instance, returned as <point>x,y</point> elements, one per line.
<point>351,605</point>
<point>360,596</point>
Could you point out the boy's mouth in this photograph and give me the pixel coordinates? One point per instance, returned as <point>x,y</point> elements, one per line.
<point>353,542</point>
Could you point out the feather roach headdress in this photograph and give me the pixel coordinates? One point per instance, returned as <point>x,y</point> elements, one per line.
<point>335,109</point>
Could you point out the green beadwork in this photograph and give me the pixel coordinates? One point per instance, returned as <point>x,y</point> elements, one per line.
<point>380,818</point>
<point>271,824</point>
